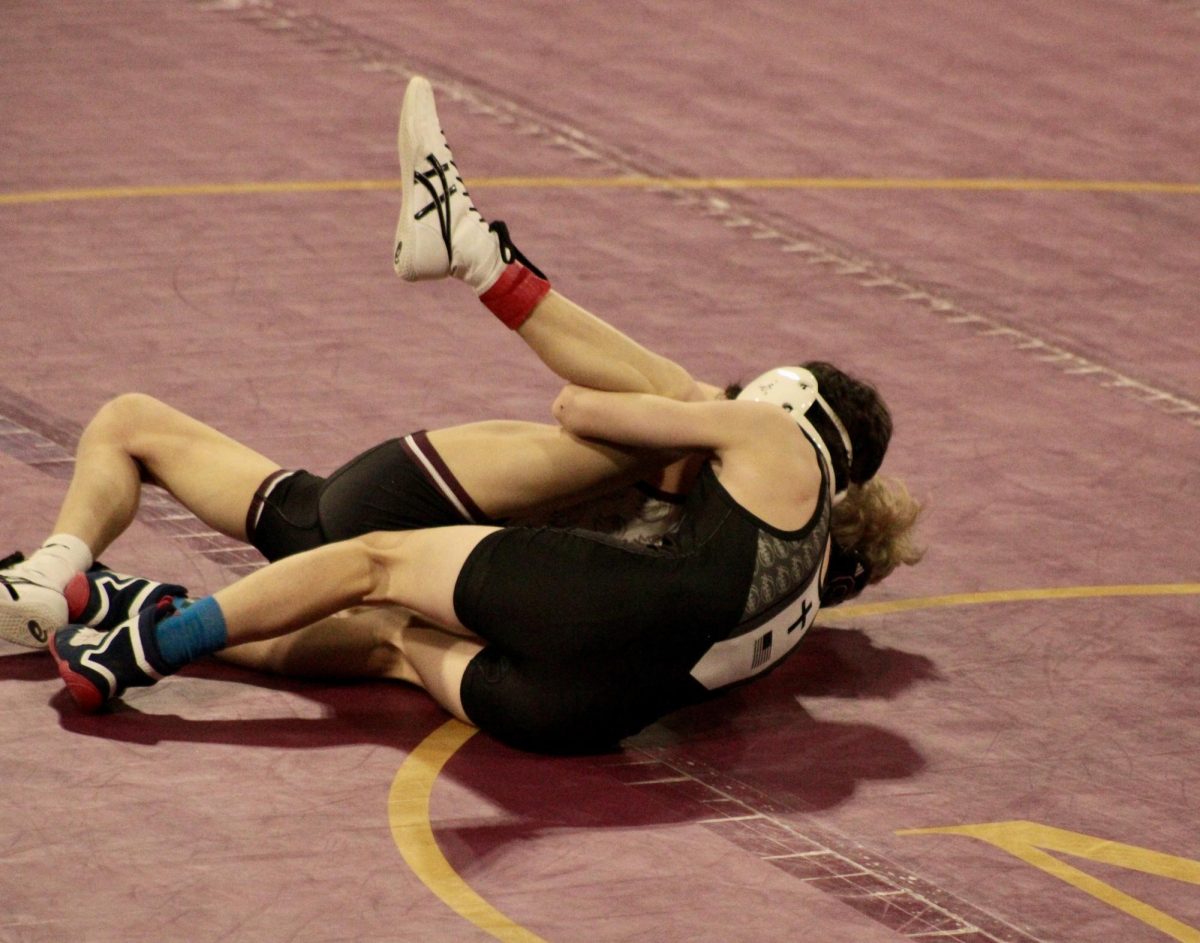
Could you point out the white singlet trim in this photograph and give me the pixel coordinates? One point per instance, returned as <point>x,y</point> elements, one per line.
<point>753,652</point>
<point>443,486</point>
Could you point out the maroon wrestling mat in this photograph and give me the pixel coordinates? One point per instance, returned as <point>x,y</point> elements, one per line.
<point>990,210</point>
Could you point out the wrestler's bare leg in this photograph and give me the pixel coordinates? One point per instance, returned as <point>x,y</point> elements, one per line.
<point>440,233</point>
<point>582,349</point>
<point>355,644</point>
<point>435,661</point>
<point>131,439</point>
<point>511,467</point>
<point>134,437</point>
<point>415,569</point>
<point>385,642</point>
<point>506,466</point>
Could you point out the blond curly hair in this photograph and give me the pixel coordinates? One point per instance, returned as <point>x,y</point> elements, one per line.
<point>878,520</point>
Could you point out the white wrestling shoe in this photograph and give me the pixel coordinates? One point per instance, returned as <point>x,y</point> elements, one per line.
<point>29,611</point>
<point>440,232</point>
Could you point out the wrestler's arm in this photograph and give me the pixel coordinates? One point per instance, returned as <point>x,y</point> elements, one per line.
<point>648,421</point>
<point>764,461</point>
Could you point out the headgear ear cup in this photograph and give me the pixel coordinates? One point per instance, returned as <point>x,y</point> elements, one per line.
<point>847,575</point>
<point>796,390</point>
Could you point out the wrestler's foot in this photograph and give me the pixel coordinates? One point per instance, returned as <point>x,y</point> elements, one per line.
<point>100,666</point>
<point>102,599</point>
<point>29,610</point>
<point>440,231</point>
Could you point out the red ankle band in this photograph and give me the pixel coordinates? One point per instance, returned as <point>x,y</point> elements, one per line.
<point>514,296</point>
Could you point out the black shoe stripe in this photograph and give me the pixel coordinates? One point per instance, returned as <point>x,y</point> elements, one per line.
<point>441,200</point>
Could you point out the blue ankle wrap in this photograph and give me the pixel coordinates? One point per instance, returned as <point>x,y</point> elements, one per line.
<point>196,630</point>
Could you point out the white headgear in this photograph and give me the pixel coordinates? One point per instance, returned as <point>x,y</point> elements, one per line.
<point>795,389</point>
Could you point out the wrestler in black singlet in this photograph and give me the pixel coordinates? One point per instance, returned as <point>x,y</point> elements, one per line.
<point>591,639</point>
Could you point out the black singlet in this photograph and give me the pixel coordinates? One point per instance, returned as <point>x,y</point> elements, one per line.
<point>591,639</point>
<point>400,484</point>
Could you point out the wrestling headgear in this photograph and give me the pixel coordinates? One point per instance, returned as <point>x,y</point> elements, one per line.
<point>795,389</point>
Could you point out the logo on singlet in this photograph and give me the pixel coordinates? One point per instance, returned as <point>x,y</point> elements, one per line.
<point>806,609</point>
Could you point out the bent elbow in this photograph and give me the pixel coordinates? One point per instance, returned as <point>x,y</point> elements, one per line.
<point>566,408</point>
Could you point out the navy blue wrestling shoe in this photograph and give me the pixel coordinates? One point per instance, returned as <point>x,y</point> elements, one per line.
<point>100,666</point>
<point>102,599</point>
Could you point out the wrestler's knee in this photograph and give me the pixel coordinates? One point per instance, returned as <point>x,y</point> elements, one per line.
<point>134,424</point>
<point>384,557</point>
<point>124,418</point>
<point>418,569</point>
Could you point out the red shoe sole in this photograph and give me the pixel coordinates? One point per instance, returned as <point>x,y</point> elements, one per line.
<point>83,692</point>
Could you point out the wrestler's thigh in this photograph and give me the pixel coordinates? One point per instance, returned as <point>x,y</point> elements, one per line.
<point>510,467</point>
<point>211,474</point>
<point>419,569</point>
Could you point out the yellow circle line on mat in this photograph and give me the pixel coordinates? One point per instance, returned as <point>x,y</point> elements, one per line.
<point>408,815</point>
<point>412,787</point>
<point>621,182</point>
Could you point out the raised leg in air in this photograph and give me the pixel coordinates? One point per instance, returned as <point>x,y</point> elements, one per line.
<point>441,233</point>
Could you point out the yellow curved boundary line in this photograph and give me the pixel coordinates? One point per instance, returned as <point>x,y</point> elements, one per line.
<point>412,787</point>
<point>619,182</point>
<point>408,815</point>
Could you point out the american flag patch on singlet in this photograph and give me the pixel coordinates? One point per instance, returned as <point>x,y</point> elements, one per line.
<point>762,651</point>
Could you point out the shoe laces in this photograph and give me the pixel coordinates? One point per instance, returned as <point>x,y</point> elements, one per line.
<point>440,202</point>
<point>509,251</point>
